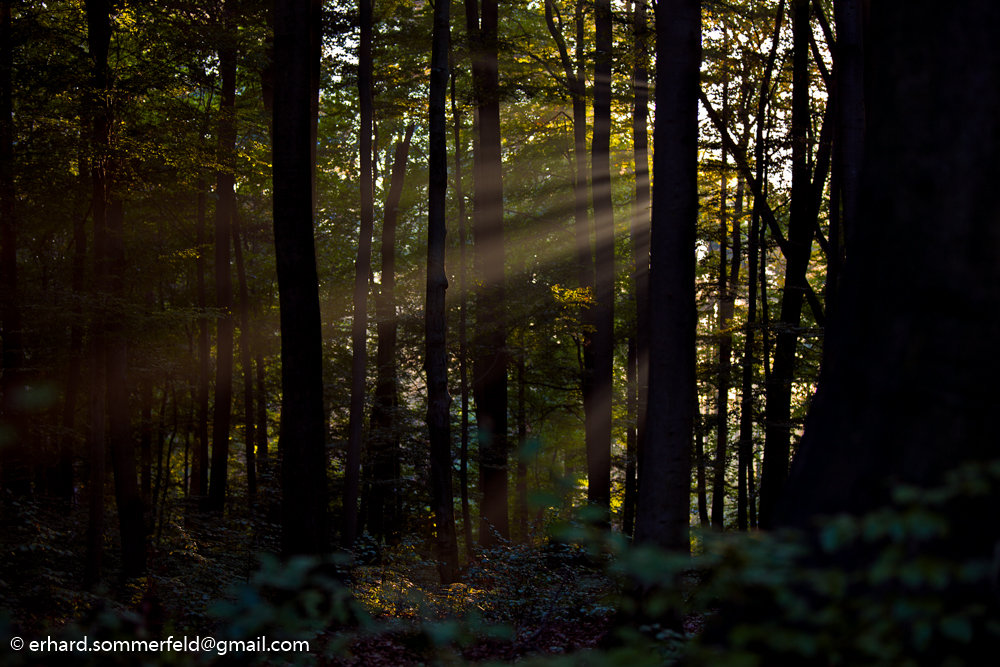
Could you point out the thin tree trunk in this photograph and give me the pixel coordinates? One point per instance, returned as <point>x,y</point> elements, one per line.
<point>463,317</point>
<point>261,430</point>
<point>699,459</point>
<point>631,405</point>
<point>438,400</point>
<point>599,419</point>
<point>98,39</point>
<point>777,439</point>
<point>62,485</point>
<point>384,439</point>
<point>146,441</point>
<point>16,472</point>
<point>199,470</point>
<point>362,268</point>
<point>303,423</point>
<point>131,510</point>
<point>746,515</point>
<point>726,311</point>
<point>640,224</point>
<point>224,212</point>
<point>665,489</point>
<point>246,361</point>
<point>490,365</point>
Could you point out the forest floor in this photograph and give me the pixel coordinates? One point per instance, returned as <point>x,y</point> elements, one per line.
<point>514,600</point>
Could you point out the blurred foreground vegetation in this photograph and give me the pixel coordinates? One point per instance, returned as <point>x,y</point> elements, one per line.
<point>879,589</point>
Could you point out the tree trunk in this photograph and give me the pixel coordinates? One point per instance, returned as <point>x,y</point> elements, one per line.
<point>98,39</point>
<point>640,226</point>
<point>62,484</point>
<point>665,474</point>
<point>631,405</point>
<point>146,440</point>
<point>224,212</point>
<point>726,311</point>
<point>850,107</point>
<point>746,515</point>
<point>199,472</point>
<point>438,400</point>
<point>383,440</point>
<point>699,461</point>
<point>777,432</point>
<point>261,430</point>
<point>131,512</point>
<point>304,494</point>
<point>15,460</point>
<point>490,364</point>
<point>909,390</point>
<point>246,361</point>
<point>362,268</point>
<point>463,318</point>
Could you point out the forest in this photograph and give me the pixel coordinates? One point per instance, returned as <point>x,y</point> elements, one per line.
<point>557,332</point>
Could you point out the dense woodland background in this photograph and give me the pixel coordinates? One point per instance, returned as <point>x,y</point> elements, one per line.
<point>500,300</point>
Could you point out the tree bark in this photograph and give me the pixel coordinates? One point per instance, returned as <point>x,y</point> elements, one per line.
<point>303,423</point>
<point>224,212</point>
<point>131,511</point>
<point>463,317</point>
<point>640,230</point>
<point>15,459</point>
<point>665,474</point>
<point>746,514</point>
<point>99,40</point>
<point>362,268</point>
<point>909,389</point>
<point>199,472</point>
<point>850,107</point>
<point>438,399</point>
<point>599,419</point>
<point>246,361</point>
<point>383,523</point>
<point>777,431</point>
<point>490,364</point>
<point>726,312</point>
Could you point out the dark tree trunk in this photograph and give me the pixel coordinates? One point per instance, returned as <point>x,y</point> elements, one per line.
<point>383,523</point>
<point>131,512</point>
<point>631,405</point>
<point>224,211</point>
<point>909,390</point>
<point>777,431</point>
<point>362,269</point>
<point>463,318</point>
<point>146,440</point>
<point>490,364</point>
<point>726,312</point>
<point>438,400</point>
<point>699,461</point>
<point>98,39</point>
<point>62,484</point>
<point>665,486</point>
<point>850,107</point>
<point>246,361</point>
<point>199,469</point>
<point>304,494</point>
<point>15,461</point>
<point>745,502</point>
<point>599,418</point>
<point>261,430</point>
<point>640,228</point>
